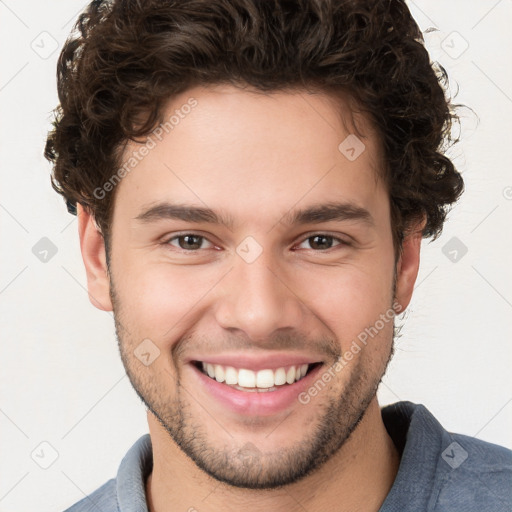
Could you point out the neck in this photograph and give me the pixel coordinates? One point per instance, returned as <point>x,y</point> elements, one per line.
<point>358,477</point>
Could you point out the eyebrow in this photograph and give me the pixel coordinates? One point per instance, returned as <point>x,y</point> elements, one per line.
<point>331,211</point>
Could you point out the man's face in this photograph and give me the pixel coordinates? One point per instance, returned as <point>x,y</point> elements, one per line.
<point>264,293</point>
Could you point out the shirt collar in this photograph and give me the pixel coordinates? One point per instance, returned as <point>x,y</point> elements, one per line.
<point>419,438</point>
<point>132,474</point>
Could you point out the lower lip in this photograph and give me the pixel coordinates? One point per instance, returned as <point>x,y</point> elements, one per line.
<point>254,403</point>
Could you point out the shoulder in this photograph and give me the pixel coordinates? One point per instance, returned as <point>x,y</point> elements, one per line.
<point>104,498</point>
<point>442,471</point>
<point>478,475</point>
<point>127,490</point>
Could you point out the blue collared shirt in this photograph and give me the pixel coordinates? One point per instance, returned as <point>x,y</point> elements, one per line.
<point>439,471</point>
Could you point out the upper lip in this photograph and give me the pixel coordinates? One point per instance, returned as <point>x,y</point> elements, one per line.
<point>257,362</point>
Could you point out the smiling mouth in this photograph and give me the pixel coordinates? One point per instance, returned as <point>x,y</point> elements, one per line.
<point>255,381</point>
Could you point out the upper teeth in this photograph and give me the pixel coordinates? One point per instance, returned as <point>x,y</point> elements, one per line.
<point>251,379</point>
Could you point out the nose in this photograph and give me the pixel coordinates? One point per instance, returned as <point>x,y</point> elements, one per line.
<point>258,299</point>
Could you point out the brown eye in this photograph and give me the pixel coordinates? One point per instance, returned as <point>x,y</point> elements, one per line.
<point>322,242</point>
<point>188,241</point>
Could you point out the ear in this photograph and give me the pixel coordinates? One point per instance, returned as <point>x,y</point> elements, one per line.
<point>92,246</point>
<point>408,265</point>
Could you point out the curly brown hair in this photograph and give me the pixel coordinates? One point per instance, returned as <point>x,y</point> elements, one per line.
<point>125,59</point>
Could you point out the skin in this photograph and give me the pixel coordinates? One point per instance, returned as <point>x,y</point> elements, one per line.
<point>256,158</point>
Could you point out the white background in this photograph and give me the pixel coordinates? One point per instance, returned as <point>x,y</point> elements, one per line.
<point>62,381</point>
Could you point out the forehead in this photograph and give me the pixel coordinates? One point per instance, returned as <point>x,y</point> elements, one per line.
<point>298,116</point>
<point>221,142</point>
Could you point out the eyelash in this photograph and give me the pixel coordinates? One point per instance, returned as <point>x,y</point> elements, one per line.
<point>341,241</point>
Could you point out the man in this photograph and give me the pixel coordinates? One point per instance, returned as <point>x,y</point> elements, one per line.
<point>252,182</point>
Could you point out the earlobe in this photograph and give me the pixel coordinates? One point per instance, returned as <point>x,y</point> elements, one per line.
<point>92,246</point>
<point>408,266</point>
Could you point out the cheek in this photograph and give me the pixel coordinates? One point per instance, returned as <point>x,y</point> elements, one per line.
<point>156,298</point>
<point>347,300</point>
<point>160,301</point>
